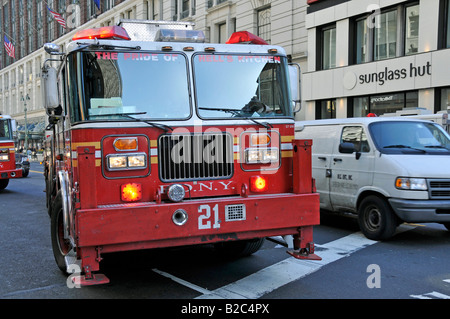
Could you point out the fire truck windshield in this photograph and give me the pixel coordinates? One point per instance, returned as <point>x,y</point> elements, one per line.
<point>124,86</point>
<point>241,86</point>
<point>5,130</point>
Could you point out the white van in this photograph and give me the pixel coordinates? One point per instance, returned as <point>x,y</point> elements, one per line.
<point>384,169</point>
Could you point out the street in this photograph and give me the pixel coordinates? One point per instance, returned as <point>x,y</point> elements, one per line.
<point>414,264</point>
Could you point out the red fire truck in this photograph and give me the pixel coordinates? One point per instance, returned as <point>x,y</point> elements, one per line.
<point>8,167</point>
<point>161,140</point>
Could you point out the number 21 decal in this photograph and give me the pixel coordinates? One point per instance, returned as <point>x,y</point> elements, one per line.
<point>204,220</point>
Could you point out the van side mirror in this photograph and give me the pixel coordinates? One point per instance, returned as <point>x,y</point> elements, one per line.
<point>346,148</point>
<point>295,85</point>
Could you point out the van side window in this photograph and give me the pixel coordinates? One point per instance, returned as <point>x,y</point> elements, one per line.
<point>357,136</point>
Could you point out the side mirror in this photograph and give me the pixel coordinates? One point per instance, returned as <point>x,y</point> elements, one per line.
<point>346,148</point>
<point>49,87</point>
<point>295,83</point>
<point>52,49</point>
<point>13,125</point>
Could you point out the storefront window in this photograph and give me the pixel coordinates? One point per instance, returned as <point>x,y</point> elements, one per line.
<point>412,30</point>
<point>445,99</point>
<point>384,103</point>
<point>360,106</point>
<point>326,109</point>
<point>385,40</point>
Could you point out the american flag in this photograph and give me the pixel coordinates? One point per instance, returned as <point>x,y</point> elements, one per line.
<point>10,48</point>
<point>58,17</point>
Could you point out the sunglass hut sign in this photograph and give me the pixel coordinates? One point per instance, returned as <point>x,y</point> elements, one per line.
<point>383,77</point>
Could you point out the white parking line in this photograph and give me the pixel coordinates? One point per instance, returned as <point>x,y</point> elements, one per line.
<point>288,270</point>
<point>431,295</point>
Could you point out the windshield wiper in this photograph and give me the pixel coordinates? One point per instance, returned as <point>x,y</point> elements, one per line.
<point>404,146</point>
<point>237,113</point>
<point>163,127</point>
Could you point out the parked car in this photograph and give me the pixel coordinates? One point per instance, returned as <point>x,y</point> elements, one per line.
<point>386,170</point>
<point>22,162</point>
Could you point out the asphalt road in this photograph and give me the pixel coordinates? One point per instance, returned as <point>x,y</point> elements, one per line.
<point>413,265</point>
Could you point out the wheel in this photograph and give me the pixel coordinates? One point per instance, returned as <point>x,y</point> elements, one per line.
<point>61,247</point>
<point>3,183</point>
<point>241,248</point>
<point>376,218</point>
<point>25,172</point>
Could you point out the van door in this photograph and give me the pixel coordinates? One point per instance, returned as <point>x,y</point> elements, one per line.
<point>323,139</point>
<point>350,171</point>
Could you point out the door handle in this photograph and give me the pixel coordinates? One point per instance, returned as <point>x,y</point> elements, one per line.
<point>337,159</point>
<point>322,158</point>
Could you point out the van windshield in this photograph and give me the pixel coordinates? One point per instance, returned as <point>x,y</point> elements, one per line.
<point>409,137</point>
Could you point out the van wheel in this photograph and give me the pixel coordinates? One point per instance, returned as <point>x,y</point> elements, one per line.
<point>376,218</point>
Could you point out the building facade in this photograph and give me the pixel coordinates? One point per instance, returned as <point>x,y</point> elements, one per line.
<point>376,56</point>
<point>28,24</point>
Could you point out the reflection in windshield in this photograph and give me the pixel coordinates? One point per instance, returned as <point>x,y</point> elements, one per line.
<point>126,86</point>
<point>241,86</point>
<point>395,137</point>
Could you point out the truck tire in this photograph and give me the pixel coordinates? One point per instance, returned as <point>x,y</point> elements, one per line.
<point>61,247</point>
<point>3,183</point>
<point>376,219</point>
<point>241,248</point>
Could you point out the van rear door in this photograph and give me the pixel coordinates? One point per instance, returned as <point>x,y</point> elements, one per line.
<point>350,171</point>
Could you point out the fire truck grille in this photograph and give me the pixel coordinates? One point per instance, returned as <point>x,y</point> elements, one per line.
<point>235,212</point>
<point>195,157</point>
<point>439,188</point>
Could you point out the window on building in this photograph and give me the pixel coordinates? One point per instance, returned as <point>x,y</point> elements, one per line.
<point>362,40</point>
<point>412,29</point>
<point>443,99</point>
<point>264,24</point>
<point>30,26</point>
<point>448,25</point>
<point>391,33</point>
<point>328,47</point>
<point>326,109</point>
<point>444,24</point>
<point>385,37</point>
<point>383,103</point>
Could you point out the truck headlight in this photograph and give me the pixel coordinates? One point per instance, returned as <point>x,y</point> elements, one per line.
<point>261,155</point>
<point>406,183</point>
<point>126,161</point>
<point>117,162</point>
<point>136,161</point>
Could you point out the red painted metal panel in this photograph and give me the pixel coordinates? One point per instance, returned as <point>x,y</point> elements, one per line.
<point>153,222</point>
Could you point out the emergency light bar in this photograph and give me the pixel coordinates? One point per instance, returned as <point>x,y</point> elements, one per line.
<point>245,37</point>
<point>110,32</point>
<point>170,35</point>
